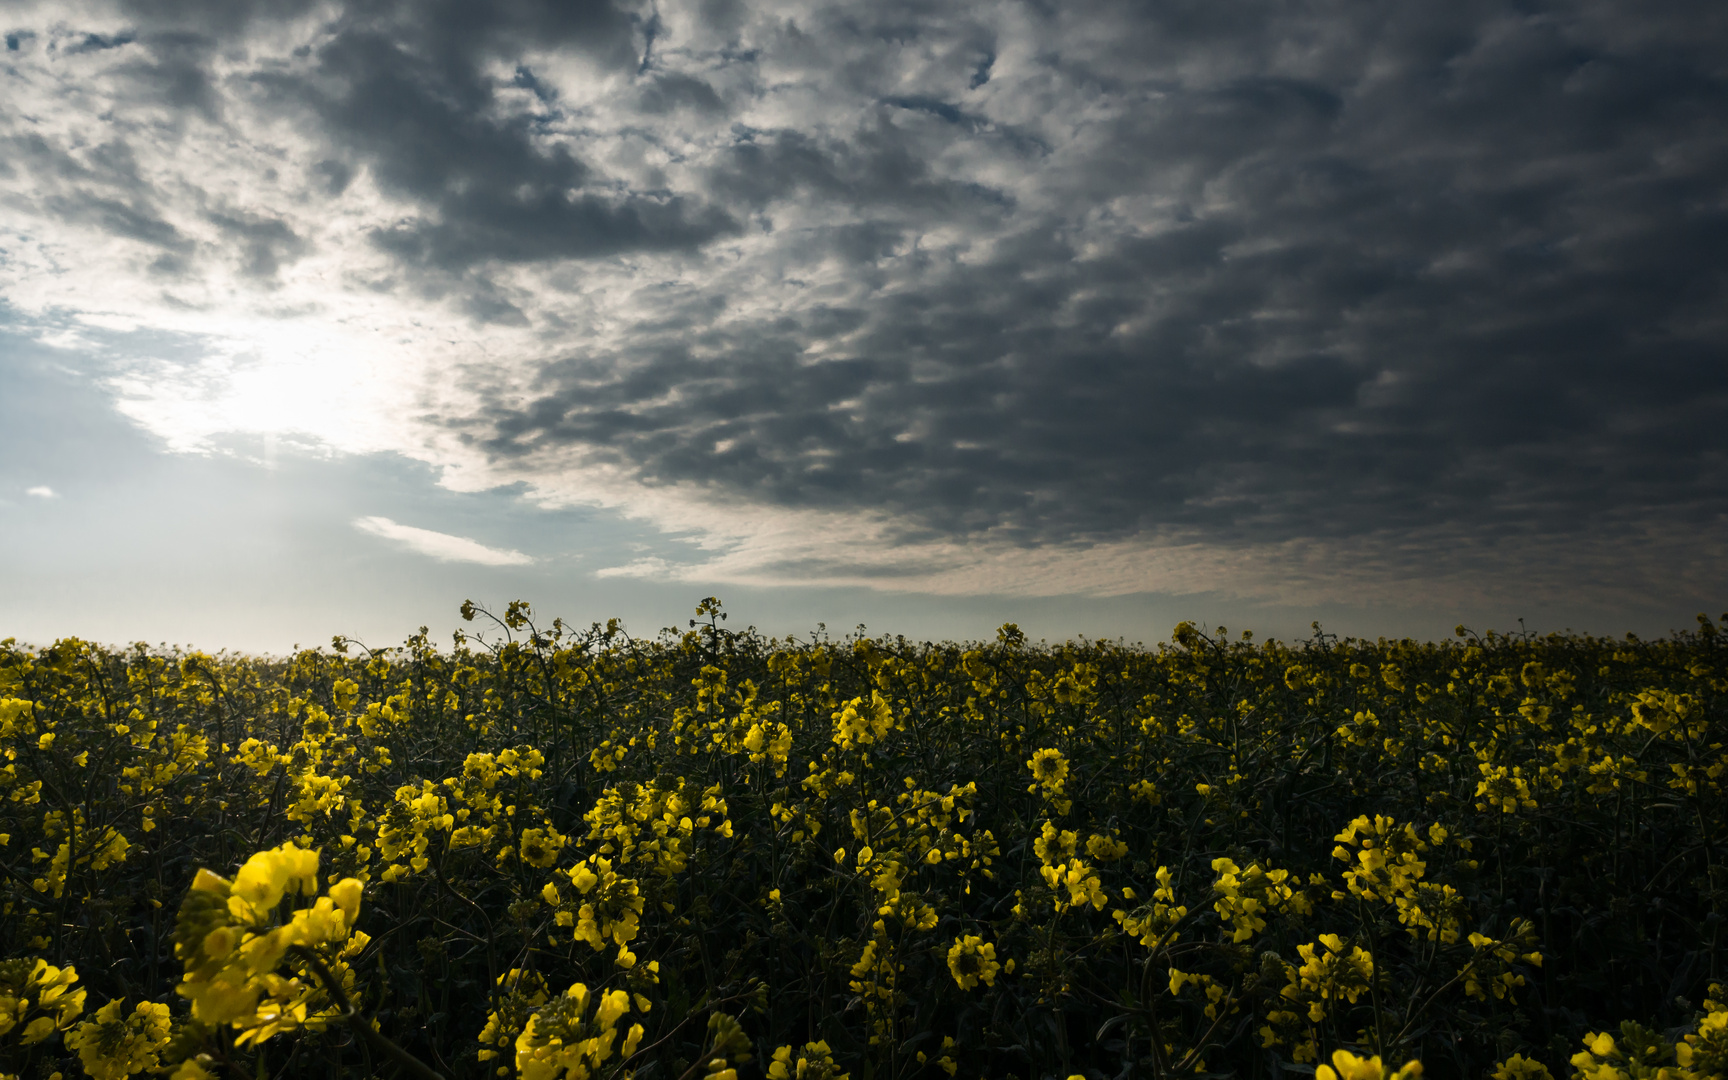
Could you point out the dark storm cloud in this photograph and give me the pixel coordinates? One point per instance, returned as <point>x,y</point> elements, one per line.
<point>223,18</point>
<point>120,219</point>
<point>178,73</point>
<point>873,166</point>
<point>102,189</point>
<point>1461,268</point>
<point>670,92</point>
<point>263,245</point>
<point>97,42</point>
<point>405,91</point>
<point>408,95</point>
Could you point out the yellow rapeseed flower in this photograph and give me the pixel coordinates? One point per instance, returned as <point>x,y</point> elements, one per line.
<point>1347,1066</point>
<point>972,960</point>
<point>113,1046</point>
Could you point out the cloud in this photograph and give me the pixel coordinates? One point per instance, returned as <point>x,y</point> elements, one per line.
<point>41,491</point>
<point>441,546</point>
<point>1090,297</point>
<point>643,568</point>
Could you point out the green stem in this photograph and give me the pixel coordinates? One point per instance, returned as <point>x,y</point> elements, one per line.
<point>361,1025</point>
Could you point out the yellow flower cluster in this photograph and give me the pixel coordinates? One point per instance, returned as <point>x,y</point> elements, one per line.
<point>862,722</point>
<point>113,1045</point>
<point>1330,974</point>
<point>1050,777</point>
<point>611,907</point>
<point>972,960</point>
<point>82,848</point>
<point>1386,866</point>
<point>232,945</point>
<point>1642,1054</point>
<point>814,1062</point>
<point>653,824</point>
<point>521,992</point>
<point>1490,969</point>
<point>1504,788</point>
<point>1246,897</point>
<point>564,1038</point>
<point>38,999</point>
<point>1385,863</point>
<point>1154,923</point>
<point>1348,1066</point>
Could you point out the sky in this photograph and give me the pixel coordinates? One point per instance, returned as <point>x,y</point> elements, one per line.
<point>320,318</point>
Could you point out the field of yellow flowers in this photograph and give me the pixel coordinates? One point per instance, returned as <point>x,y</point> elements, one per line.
<point>553,852</point>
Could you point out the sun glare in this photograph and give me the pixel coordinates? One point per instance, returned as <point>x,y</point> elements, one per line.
<point>342,391</point>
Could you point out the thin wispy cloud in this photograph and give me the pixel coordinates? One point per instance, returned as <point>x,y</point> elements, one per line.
<point>654,568</point>
<point>41,491</point>
<point>441,546</point>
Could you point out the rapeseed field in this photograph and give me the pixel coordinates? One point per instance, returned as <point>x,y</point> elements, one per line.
<point>552,852</point>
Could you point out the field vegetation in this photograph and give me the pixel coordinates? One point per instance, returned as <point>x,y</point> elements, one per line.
<point>546,851</point>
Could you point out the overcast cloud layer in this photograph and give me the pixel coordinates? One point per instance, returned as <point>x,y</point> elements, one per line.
<point>1297,299</point>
